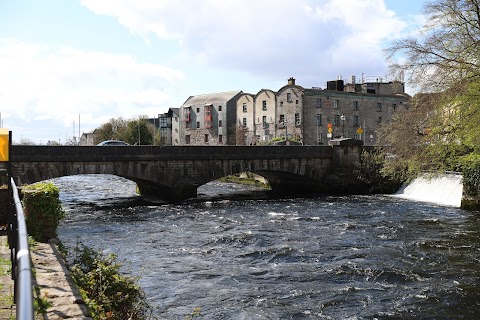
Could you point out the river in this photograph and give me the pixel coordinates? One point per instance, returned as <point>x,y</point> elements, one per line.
<point>355,257</point>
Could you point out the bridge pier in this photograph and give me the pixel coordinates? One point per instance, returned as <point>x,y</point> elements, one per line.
<point>179,193</point>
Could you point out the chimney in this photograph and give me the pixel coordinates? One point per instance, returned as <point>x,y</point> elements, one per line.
<point>291,81</point>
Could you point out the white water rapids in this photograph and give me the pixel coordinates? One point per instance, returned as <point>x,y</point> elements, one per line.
<point>442,189</point>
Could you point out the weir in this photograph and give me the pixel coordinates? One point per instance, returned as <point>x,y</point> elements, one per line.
<point>442,189</point>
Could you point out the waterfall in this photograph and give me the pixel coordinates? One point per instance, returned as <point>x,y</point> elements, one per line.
<point>443,189</point>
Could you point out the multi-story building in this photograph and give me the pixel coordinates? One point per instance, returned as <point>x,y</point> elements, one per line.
<point>308,116</point>
<point>209,119</point>
<point>167,127</point>
<point>245,129</point>
<point>332,114</point>
<point>290,106</point>
<point>264,123</point>
<point>89,138</point>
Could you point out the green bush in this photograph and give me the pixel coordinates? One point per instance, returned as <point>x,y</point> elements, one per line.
<point>107,293</point>
<point>471,175</point>
<point>43,210</point>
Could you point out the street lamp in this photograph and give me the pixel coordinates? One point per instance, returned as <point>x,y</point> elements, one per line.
<point>342,117</point>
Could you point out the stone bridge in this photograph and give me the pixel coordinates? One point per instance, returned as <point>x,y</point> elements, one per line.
<point>174,173</point>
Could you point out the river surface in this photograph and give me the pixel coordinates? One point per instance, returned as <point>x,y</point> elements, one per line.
<point>356,257</point>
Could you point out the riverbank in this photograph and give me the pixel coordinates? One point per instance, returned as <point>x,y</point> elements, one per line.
<point>54,288</point>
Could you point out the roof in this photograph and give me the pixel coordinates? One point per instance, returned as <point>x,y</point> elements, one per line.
<point>211,98</point>
<point>172,111</point>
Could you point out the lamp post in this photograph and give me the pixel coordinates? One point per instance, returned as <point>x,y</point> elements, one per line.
<point>342,117</point>
<point>286,134</point>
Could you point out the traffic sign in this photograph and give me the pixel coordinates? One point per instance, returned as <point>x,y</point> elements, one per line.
<point>329,125</point>
<point>330,130</point>
<point>359,130</point>
<point>4,144</point>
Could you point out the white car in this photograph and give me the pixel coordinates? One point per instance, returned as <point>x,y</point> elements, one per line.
<point>113,143</point>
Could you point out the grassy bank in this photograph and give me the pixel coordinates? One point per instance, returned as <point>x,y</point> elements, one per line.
<point>246,179</point>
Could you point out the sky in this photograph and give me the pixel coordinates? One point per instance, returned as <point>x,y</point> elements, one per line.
<point>67,66</point>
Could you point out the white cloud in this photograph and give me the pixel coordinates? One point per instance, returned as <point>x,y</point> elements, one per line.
<point>308,39</point>
<point>39,82</point>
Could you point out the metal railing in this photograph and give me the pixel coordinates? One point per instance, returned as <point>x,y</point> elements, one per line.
<point>20,256</point>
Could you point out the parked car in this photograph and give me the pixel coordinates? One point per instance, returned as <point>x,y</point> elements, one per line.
<point>113,143</point>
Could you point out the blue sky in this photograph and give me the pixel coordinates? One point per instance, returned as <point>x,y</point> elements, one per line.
<point>65,60</point>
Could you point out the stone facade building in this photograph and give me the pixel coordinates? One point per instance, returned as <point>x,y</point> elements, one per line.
<point>306,116</point>
<point>313,116</point>
<point>245,134</point>
<point>290,106</point>
<point>264,116</point>
<point>347,114</point>
<point>209,119</point>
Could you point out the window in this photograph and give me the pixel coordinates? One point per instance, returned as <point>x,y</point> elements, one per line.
<point>379,106</point>
<point>220,138</point>
<point>355,105</point>
<point>198,124</point>
<point>244,107</point>
<point>206,138</point>
<point>336,120</point>
<point>355,120</point>
<point>319,138</point>
<point>319,119</point>
<point>379,120</point>
<point>336,103</point>
<point>281,120</point>
<point>296,101</point>
<point>162,122</point>
<point>244,122</point>
<point>264,105</point>
<point>394,107</point>
<point>297,119</point>
<point>289,97</point>
<point>187,139</point>
<point>198,110</point>
<point>264,121</point>
<point>208,117</point>
<point>219,123</point>
<point>187,112</point>
<point>318,103</point>
<point>219,108</point>
<point>281,103</point>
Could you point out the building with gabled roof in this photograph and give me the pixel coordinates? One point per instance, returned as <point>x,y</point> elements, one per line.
<point>209,119</point>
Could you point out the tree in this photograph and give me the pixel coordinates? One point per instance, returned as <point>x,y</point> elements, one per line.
<point>446,52</point>
<point>25,142</point>
<point>443,61</point>
<point>139,132</point>
<point>114,129</point>
<point>241,135</point>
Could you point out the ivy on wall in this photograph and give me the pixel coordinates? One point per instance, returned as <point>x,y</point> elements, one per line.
<point>43,210</point>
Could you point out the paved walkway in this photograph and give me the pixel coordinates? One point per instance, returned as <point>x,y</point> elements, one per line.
<point>7,308</point>
<point>53,283</point>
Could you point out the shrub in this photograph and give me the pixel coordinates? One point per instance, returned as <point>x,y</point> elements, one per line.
<point>471,175</point>
<point>43,210</point>
<point>107,293</point>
